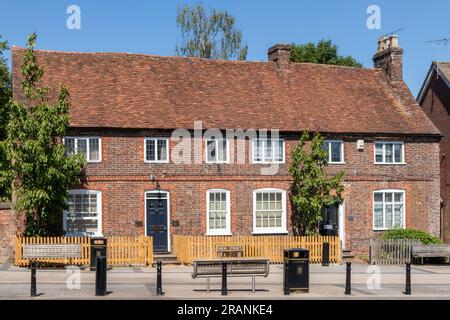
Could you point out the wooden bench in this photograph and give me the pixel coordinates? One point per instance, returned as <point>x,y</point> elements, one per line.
<point>230,251</point>
<point>430,251</point>
<point>235,268</point>
<point>49,251</point>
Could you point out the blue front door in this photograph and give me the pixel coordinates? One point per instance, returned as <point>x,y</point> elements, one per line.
<point>157,210</point>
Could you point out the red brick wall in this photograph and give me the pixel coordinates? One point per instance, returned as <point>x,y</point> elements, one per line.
<point>436,105</point>
<point>8,230</point>
<point>123,178</point>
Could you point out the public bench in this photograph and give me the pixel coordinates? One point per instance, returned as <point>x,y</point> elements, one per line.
<point>430,251</point>
<point>49,251</point>
<point>235,268</point>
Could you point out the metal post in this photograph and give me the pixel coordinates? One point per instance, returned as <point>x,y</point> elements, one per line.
<point>33,291</point>
<point>100,276</point>
<point>408,279</point>
<point>348,284</point>
<point>325,254</point>
<point>253,284</point>
<point>287,271</point>
<point>224,279</point>
<point>159,291</point>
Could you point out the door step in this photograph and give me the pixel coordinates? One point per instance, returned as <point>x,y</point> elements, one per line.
<point>166,259</point>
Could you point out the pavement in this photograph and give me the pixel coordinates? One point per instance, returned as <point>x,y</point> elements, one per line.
<point>428,282</point>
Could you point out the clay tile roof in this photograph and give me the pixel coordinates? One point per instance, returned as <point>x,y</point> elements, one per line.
<point>119,90</point>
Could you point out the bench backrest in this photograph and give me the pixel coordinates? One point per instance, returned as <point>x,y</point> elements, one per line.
<point>36,251</point>
<point>234,267</point>
<point>230,251</point>
<point>430,250</point>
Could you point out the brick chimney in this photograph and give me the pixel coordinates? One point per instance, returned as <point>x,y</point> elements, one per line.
<point>389,57</point>
<point>280,54</point>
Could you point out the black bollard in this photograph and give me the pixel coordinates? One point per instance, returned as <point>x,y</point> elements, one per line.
<point>100,276</point>
<point>159,291</point>
<point>33,291</point>
<point>325,254</point>
<point>224,279</point>
<point>408,279</point>
<point>348,279</point>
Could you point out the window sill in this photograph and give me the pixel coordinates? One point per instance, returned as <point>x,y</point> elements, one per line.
<point>333,163</point>
<point>270,231</point>
<point>212,234</point>
<point>156,162</point>
<point>390,164</point>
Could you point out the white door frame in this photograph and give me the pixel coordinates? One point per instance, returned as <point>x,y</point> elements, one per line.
<point>167,195</point>
<point>341,224</point>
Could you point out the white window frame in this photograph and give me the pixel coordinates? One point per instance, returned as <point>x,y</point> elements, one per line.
<point>156,149</point>
<point>216,142</point>
<point>227,230</point>
<point>384,213</point>
<point>76,138</point>
<point>384,152</point>
<point>263,151</point>
<point>99,232</point>
<point>280,230</point>
<point>329,151</point>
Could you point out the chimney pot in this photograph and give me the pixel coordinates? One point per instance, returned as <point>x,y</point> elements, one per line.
<point>280,54</point>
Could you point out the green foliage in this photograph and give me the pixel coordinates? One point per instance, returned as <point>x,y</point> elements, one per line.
<point>5,96</point>
<point>324,52</point>
<point>40,171</point>
<point>312,188</point>
<point>423,236</point>
<point>209,35</point>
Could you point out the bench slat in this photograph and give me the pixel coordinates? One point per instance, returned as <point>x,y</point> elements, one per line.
<point>36,251</point>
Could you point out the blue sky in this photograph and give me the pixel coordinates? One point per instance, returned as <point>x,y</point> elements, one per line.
<point>150,26</point>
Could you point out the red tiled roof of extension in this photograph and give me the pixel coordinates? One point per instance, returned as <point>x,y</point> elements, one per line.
<point>119,90</point>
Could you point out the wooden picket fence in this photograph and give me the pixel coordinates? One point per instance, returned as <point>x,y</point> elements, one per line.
<point>390,251</point>
<point>189,248</point>
<point>120,250</point>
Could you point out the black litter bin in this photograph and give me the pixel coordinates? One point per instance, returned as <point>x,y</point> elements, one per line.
<point>98,249</point>
<point>296,270</point>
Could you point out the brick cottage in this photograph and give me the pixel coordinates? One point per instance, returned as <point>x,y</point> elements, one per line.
<point>434,98</point>
<point>125,108</point>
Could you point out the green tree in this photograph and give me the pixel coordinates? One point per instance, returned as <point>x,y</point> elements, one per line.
<point>5,96</point>
<point>312,188</point>
<point>41,172</point>
<point>210,35</point>
<point>324,52</point>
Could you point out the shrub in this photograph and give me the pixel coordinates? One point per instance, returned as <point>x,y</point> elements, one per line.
<point>423,236</point>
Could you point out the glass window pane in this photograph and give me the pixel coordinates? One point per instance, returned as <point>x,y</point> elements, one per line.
<point>398,197</point>
<point>82,146</point>
<point>257,150</point>
<point>222,150</point>
<point>279,154</point>
<point>268,155</point>
<point>389,152</point>
<point>94,149</point>
<point>162,149</point>
<point>388,197</point>
<point>211,150</point>
<point>378,216</point>
<point>151,150</point>
<point>82,216</point>
<point>378,152</point>
<point>336,149</point>
<point>378,197</point>
<point>70,146</point>
<point>389,215</point>
<point>398,154</point>
<point>398,215</point>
